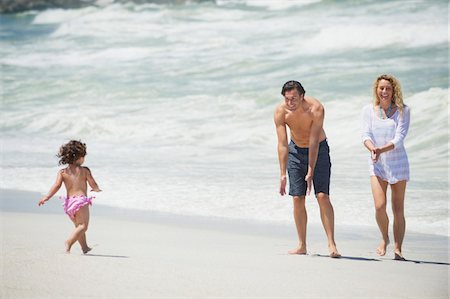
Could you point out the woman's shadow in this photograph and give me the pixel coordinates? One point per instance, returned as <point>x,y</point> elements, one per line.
<point>357,258</point>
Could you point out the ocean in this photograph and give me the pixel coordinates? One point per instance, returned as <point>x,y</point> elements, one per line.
<point>176,102</point>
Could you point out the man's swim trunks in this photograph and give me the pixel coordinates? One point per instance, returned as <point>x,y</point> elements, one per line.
<point>298,167</point>
<point>74,203</point>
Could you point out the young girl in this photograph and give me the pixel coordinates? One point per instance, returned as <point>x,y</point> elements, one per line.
<point>75,178</point>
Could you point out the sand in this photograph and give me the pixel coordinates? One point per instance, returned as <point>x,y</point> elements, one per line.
<point>149,255</point>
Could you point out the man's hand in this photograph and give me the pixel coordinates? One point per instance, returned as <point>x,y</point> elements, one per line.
<point>283,185</point>
<point>308,179</point>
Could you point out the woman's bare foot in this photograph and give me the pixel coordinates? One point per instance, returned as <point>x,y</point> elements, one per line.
<point>334,253</point>
<point>398,256</point>
<point>381,250</point>
<point>299,250</point>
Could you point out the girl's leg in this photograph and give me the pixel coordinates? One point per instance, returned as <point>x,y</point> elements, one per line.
<point>379,188</point>
<point>398,203</point>
<point>82,239</point>
<point>81,225</point>
<point>83,243</point>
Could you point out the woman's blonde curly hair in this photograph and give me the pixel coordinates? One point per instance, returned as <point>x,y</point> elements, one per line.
<point>397,98</point>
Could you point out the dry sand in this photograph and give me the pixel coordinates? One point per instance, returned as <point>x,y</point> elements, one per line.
<point>147,255</point>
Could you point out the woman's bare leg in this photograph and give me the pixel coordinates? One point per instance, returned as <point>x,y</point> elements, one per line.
<point>398,209</point>
<point>379,188</point>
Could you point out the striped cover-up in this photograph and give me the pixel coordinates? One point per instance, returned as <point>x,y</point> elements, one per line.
<point>392,166</point>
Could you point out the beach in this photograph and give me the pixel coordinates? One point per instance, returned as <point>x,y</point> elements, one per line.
<point>159,256</point>
<point>175,101</point>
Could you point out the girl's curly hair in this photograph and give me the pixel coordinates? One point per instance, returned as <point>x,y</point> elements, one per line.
<point>71,151</point>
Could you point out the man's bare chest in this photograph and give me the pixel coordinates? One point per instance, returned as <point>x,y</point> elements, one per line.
<point>298,121</point>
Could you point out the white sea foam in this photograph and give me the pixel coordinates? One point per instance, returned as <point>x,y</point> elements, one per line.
<point>280,4</point>
<point>58,16</point>
<point>176,102</point>
<point>344,37</point>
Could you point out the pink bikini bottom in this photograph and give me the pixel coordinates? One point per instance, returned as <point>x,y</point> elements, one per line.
<point>74,203</point>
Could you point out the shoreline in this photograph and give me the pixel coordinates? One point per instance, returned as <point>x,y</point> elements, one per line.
<point>27,203</point>
<point>164,257</point>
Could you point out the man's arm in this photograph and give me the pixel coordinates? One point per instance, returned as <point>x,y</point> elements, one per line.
<point>283,149</point>
<point>314,135</point>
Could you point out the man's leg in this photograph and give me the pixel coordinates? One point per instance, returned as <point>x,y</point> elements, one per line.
<point>379,188</point>
<point>398,200</point>
<point>301,219</point>
<point>327,216</point>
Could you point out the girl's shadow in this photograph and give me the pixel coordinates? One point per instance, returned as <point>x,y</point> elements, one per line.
<point>107,255</point>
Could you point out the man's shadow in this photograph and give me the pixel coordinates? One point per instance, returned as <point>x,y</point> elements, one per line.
<point>353,258</point>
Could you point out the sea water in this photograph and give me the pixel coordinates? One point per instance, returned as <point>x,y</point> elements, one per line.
<point>176,102</point>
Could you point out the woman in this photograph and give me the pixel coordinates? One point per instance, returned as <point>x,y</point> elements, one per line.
<point>385,124</point>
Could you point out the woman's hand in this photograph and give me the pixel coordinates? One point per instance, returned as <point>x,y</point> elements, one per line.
<point>375,154</point>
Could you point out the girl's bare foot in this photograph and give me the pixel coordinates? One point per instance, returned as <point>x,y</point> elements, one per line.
<point>67,245</point>
<point>299,250</point>
<point>86,250</point>
<point>381,250</point>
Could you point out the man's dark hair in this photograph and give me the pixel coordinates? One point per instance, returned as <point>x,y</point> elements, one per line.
<point>290,85</point>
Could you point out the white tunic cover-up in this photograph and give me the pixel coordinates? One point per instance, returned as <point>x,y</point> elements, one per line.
<point>392,166</point>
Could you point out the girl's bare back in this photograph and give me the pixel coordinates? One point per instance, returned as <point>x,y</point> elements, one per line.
<point>75,180</point>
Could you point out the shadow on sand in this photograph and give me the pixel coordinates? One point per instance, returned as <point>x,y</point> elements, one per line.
<point>353,258</point>
<point>107,255</point>
<point>427,262</point>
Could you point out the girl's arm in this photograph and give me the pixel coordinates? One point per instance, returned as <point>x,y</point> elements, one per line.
<point>53,189</point>
<point>91,181</point>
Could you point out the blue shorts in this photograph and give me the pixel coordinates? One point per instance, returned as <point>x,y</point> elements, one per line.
<point>297,167</point>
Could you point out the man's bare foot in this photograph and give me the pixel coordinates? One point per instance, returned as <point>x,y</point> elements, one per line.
<point>334,253</point>
<point>67,245</point>
<point>86,250</point>
<point>398,256</point>
<point>298,250</point>
<point>381,250</point>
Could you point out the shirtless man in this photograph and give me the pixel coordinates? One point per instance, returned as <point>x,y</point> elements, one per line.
<point>306,158</point>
